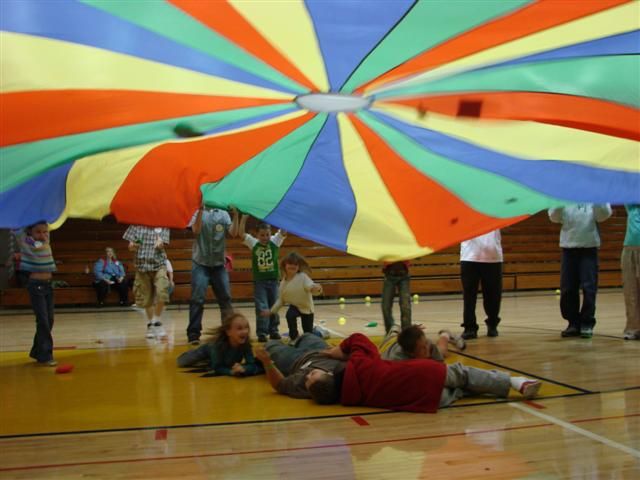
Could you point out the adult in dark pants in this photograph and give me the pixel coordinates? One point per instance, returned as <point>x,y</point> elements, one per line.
<point>210,226</point>
<point>481,264</point>
<point>109,273</point>
<point>579,240</point>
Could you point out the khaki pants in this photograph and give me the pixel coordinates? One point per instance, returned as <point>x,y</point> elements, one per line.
<point>151,285</point>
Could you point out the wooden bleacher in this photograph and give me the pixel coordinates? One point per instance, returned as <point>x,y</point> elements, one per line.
<point>531,262</point>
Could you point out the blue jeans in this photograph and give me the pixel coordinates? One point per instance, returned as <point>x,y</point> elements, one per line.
<point>195,357</point>
<point>284,356</point>
<point>201,278</point>
<point>41,296</point>
<point>579,269</point>
<point>391,283</point>
<point>265,294</point>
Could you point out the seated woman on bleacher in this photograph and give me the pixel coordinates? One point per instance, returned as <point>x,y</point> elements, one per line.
<point>109,272</point>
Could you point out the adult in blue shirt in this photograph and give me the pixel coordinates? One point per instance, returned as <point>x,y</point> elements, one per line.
<point>210,226</point>
<point>109,273</point>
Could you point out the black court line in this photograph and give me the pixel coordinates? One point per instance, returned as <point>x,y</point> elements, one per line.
<point>528,374</point>
<point>491,402</point>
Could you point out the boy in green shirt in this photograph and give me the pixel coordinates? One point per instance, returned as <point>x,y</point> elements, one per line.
<point>265,250</point>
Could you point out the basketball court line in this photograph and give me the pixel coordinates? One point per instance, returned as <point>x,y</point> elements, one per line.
<point>580,431</point>
<point>549,422</point>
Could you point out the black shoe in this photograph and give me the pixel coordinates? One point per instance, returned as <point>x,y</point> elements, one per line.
<point>492,331</point>
<point>262,338</point>
<point>275,336</point>
<point>469,334</point>
<point>570,331</point>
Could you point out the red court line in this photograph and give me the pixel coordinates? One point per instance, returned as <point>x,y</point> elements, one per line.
<point>161,434</point>
<point>314,447</point>
<point>360,421</point>
<point>534,405</point>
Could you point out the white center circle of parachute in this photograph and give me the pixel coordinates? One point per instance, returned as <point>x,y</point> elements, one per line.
<point>333,102</point>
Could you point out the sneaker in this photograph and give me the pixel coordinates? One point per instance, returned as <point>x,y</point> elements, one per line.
<point>492,331</point>
<point>530,389</point>
<point>469,335</point>
<point>458,341</point>
<point>321,331</point>
<point>455,340</point>
<point>48,363</point>
<point>631,336</point>
<point>158,330</point>
<point>570,331</point>
<point>150,332</point>
<point>262,338</point>
<point>586,332</point>
<point>275,336</point>
<point>195,342</point>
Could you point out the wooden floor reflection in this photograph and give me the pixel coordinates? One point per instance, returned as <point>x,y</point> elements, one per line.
<point>127,412</point>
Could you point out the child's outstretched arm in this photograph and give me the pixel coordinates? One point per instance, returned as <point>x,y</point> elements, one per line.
<point>311,286</point>
<point>276,307</point>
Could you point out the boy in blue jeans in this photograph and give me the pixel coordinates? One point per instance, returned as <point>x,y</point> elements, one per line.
<point>265,249</point>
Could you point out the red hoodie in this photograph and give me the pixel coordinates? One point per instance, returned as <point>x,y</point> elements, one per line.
<point>410,385</point>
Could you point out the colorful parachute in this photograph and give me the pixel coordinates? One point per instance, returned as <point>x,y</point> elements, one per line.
<point>385,128</point>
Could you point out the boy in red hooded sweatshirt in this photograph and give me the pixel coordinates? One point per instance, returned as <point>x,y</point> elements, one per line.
<point>414,385</point>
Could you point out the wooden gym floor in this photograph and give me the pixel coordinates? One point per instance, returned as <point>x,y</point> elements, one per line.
<point>127,412</point>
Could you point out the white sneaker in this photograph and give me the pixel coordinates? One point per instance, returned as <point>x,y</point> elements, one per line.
<point>158,330</point>
<point>456,340</point>
<point>150,331</point>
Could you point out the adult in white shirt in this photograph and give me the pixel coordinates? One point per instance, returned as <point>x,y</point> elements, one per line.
<point>481,264</point>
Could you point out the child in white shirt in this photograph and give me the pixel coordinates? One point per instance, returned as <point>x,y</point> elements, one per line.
<point>296,290</point>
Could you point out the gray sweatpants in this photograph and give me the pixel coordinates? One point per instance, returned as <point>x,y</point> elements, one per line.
<point>463,381</point>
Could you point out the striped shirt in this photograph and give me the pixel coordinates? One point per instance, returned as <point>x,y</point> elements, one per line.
<point>35,256</point>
